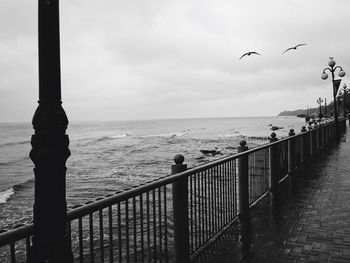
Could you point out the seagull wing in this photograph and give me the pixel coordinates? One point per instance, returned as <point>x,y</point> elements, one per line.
<point>300,45</point>
<point>243,55</point>
<point>287,50</point>
<point>255,53</point>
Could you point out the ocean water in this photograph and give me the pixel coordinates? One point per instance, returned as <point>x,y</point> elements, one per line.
<point>109,156</point>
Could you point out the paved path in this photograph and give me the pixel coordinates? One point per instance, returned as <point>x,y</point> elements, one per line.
<point>313,224</point>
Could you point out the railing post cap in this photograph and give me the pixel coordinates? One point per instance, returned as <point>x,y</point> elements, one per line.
<point>243,143</point>
<point>242,146</point>
<point>179,159</point>
<point>273,137</point>
<point>291,132</point>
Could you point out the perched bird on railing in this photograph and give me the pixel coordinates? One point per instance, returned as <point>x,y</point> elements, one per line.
<point>295,47</point>
<point>249,53</point>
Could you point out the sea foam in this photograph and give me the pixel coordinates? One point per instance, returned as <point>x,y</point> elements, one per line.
<point>5,195</point>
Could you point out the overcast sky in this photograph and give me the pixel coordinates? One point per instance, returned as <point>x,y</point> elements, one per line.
<point>154,59</point>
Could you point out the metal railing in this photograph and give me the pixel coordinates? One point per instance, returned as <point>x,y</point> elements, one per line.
<point>175,217</point>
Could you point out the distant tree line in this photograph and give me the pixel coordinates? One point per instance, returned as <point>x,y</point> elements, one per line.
<point>315,111</point>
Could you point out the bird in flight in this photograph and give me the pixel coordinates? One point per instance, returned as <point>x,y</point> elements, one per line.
<point>295,47</point>
<point>249,53</point>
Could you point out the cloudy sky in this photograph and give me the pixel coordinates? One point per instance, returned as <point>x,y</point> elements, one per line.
<point>147,59</point>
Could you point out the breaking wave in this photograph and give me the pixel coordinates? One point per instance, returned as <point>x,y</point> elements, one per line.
<point>5,195</point>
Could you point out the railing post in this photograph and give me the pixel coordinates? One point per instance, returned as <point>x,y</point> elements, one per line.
<point>320,137</point>
<point>243,184</point>
<point>303,147</point>
<point>312,142</point>
<point>50,150</point>
<point>180,210</point>
<point>324,142</point>
<point>291,158</point>
<point>274,173</point>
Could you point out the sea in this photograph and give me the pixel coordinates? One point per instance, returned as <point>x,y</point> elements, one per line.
<point>107,156</point>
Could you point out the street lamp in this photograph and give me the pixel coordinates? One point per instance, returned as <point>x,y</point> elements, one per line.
<point>319,102</point>
<point>324,76</point>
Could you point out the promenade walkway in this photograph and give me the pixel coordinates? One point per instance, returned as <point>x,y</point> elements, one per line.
<point>313,224</point>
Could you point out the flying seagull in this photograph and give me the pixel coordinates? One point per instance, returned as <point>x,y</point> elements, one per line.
<point>295,47</point>
<point>249,53</point>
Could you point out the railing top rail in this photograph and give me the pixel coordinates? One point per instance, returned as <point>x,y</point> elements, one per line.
<point>15,234</point>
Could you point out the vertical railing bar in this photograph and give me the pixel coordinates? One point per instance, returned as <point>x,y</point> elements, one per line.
<point>127,230</point>
<point>257,184</point>
<point>81,244</point>
<point>231,191</point>
<point>141,229</point>
<point>91,230</point>
<point>206,204</point>
<point>199,201</point>
<point>219,168</point>
<point>154,225</point>
<point>232,188</point>
<point>236,189</point>
<point>101,235</point>
<point>226,184</point>
<point>228,217</point>
<point>222,171</point>
<point>195,210</point>
<point>12,252</point>
<point>223,193</point>
<point>251,189</point>
<point>110,225</point>
<point>204,200</point>
<point>250,181</point>
<point>203,207</point>
<point>218,194</point>
<point>215,200</point>
<point>211,203</point>
<point>191,213</point>
<point>160,224</point>
<point>119,232</point>
<point>198,205</point>
<point>266,173</point>
<point>27,246</point>
<point>165,224</point>
<point>148,227</point>
<point>134,226</point>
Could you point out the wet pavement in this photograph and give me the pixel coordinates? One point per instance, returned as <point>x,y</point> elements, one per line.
<point>312,223</point>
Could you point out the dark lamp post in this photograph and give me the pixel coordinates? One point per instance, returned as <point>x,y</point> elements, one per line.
<point>319,102</point>
<point>50,242</point>
<point>332,68</point>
